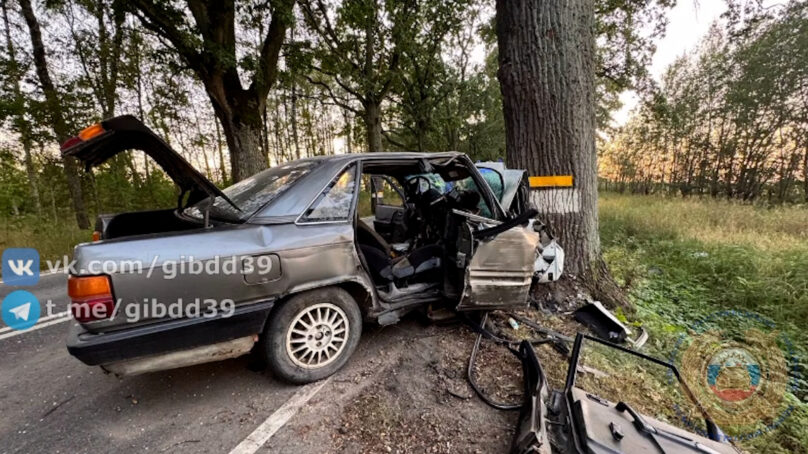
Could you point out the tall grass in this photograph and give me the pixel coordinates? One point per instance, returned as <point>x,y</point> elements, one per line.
<point>683,259</point>
<point>53,240</point>
<point>720,254</point>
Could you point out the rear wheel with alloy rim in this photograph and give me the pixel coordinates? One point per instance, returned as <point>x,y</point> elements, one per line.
<point>312,335</point>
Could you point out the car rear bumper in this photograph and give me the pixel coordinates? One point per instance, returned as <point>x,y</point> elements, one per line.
<point>168,336</point>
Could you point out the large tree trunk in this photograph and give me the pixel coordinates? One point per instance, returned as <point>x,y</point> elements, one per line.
<point>546,74</point>
<point>23,126</point>
<point>31,172</point>
<point>373,126</point>
<point>241,124</point>
<point>55,112</point>
<point>248,159</point>
<point>211,54</point>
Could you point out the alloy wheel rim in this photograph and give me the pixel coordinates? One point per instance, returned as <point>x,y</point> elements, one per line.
<point>317,336</point>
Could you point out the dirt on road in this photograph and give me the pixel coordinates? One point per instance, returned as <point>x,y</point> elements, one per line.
<point>415,397</point>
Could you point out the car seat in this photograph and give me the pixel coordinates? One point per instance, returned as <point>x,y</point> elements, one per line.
<point>419,264</point>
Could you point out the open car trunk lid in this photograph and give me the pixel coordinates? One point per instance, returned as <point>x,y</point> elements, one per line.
<point>98,143</point>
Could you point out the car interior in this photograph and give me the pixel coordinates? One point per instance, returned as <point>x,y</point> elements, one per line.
<point>408,227</point>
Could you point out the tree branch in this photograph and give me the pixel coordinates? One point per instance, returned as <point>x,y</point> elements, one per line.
<point>327,34</point>
<point>393,141</point>
<point>267,72</point>
<point>165,23</point>
<point>333,96</point>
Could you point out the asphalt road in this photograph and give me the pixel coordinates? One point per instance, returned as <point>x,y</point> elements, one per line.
<point>51,402</point>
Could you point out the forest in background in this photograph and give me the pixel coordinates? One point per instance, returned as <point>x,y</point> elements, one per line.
<point>729,119</point>
<point>362,75</point>
<point>433,94</point>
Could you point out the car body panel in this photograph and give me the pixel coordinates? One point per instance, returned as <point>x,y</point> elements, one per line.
<point>310,256</point>
<point>388,218</point>
<point>500,272</point>
<point>96,349</point>
<point>581,419</point>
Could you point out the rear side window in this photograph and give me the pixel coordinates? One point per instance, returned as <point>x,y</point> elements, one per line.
<point>336,201</point>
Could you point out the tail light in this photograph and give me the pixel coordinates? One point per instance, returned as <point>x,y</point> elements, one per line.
<point>90,132</point>
<point>90,298</point>
<point>96,236</point>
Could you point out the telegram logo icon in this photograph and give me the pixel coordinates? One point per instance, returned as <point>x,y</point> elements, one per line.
<point>20,310</point>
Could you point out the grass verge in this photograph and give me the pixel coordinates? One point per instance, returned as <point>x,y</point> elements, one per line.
<point>683,260</point>
<point>53,240</point>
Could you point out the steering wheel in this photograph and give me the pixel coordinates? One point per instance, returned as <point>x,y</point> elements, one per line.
<point>419,184</point>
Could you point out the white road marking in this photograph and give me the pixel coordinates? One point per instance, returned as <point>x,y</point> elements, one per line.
<point>43,319</point>
<point>35,327</point>
<point>276,420</point>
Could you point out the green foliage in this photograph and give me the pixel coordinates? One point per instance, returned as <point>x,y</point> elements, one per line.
<point>682,260</point>
<point>13,187</point>
<point>625,30</point>
<point>30,231</point>
<point>461,111</point>
<point>729,120</point>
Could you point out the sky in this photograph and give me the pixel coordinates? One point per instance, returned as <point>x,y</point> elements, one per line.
<point>688,21</point>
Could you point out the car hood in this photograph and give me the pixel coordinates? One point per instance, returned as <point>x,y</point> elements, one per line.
<point>128,133</point>
<point>510,180</point>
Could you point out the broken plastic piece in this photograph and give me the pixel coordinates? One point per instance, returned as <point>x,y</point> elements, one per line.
<point>602,322</point>
<point>640,340</point>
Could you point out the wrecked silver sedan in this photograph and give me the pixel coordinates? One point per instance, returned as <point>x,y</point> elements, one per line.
<point>289,262</point>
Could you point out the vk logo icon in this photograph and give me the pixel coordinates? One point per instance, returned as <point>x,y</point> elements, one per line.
<point>20,310</point>
<point>20,266</point>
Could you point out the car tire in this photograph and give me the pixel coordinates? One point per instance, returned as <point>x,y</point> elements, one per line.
<point>312,335</point>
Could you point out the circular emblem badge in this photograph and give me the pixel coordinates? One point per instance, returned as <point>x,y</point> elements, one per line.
<point>733,374</point>
<point>740,367</point>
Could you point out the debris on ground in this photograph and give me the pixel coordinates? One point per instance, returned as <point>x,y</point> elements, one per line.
<point>418,399</point>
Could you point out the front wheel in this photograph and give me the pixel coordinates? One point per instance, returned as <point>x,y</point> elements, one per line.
<point>312,335</point>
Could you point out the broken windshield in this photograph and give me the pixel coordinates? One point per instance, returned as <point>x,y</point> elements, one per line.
<point>253,193</point>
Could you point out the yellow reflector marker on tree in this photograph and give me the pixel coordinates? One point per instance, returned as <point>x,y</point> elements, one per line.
<point>556,181</point>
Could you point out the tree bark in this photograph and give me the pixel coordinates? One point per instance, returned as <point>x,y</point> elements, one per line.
<point>244,136</point>
<point>373,126</point>
<point>546,74</point>
<point>222,169</point>
<point>55,112</point>
<point>23,126</point>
